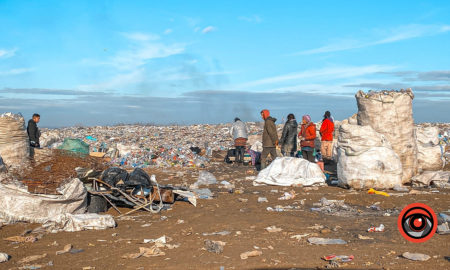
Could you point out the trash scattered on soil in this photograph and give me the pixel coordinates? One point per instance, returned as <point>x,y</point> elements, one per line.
<point>66,249</point>
<point>4,257</point>
<point>272,229</point>
<point>376,229</point>
<point>262,199</point>
<point>287,196</point>
<point>415,256</point>
<point>362,237</point>
<point>299,236</point>
<point>31,258</point>
<point>217,233</point>
<point>214,246</point>
<point>21,239</point>
<point>326,241</point>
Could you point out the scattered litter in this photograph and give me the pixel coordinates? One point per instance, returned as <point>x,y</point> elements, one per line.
<point>161,240</point>
<point>376,229</point>
<point>299,236</point>
<point>214,246</point>
<point>31,258</point>
<point>287,196</point>
<point>217,233</point>
<point>415,256</point>
<point>180,221</point>
<point>66,249</point>
<point>339,258</point>
<point>326,241</point>
<point>145,252</point>
<point>373,191</point>
<point>3,257</point>
<point>203,193</point>
<point>204,179</point>
<point>242,200</point>
<point>21,239</point>
<point>362,237</point>
<point>248,254</point>
<point>262,199</point>
<point>272,229</point>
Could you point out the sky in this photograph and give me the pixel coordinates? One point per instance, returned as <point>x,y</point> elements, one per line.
<point>184,62</point>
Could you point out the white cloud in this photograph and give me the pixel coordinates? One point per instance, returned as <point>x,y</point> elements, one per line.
<point>252,19</point>
<point>209,29</point>
<point>398,34</point>
<point>138,36</point>
<point>15,71</point>
<point>168,31</point>
<point>328,73</point>
<point>118,81</point>
<point>4,53</point>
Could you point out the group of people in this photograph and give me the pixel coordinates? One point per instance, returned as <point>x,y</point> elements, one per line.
<point>289,137</point>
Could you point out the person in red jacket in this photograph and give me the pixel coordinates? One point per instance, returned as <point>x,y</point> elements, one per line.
<point>326,132</point>
<point>307,135</point>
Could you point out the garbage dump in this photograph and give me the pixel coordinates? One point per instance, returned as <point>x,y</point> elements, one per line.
<point>390,113</point>
<point>151,146</point>
<point>14,143</point>
<point>366,159</point>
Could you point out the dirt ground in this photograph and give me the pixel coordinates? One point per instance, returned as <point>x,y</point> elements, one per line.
<point>246,221</point>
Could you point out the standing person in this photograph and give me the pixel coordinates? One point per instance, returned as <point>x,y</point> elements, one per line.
<point>33,132</point>
<point>289,136</point>
<point>307,135</point>
<point>269,138</point>
<point>239,132</point>
<point>326,132</point>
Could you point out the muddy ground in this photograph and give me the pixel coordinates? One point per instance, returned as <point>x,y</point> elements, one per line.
<point>246,221</point>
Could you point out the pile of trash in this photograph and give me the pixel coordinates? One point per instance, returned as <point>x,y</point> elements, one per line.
<point>339,208</point>
<point>144,145</point>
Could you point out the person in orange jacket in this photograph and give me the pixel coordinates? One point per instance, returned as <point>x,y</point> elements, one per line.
<point>326,132</point>
<point>307,135</point>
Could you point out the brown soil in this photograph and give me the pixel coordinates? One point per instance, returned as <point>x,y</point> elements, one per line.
<point>247,222</point>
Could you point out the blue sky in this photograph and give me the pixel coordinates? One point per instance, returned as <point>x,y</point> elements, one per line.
<point>106,62</point>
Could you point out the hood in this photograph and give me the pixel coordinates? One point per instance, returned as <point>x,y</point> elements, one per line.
<point>271,119</point>
<point>292,123</point>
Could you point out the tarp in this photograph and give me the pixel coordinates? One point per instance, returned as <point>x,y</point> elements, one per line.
<point>79,222</point>
<point>288,171</point>
<point>75,145</point>
<point>17,204</point>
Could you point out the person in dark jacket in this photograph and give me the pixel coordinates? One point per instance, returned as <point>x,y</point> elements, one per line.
<point>289,136</point>
<point>307,135</point>
<point>269,138</point>
<point>34,133</point>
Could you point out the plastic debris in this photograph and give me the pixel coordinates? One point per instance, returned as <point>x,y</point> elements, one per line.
<point>4,257</point>
<point>362,237</point>
<point>376,229</point>
<point>415,256</point>
<point>287,196</point>
<point>326,241</point>
<point>262,199</point>
<point>339,258</point>
<point>217,233</point>
<point>299,236</point>
<point>373,191</point>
